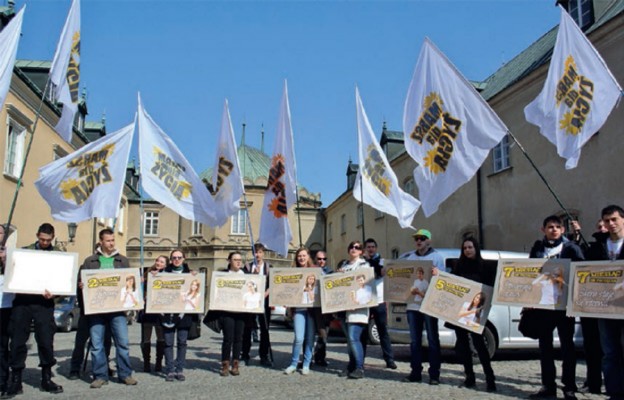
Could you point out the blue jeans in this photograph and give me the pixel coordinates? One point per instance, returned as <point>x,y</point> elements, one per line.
<point>356,349</point>
<point>416,321</point>
<point>380,315</point>
<point>611,331</point>
<point>176,365</point>
<point>305,328</point>
<point>119,329</point>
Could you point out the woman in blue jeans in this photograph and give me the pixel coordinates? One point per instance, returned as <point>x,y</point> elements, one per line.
<point>176,326</point>
<point>304,322</point>
<point>356,321</point>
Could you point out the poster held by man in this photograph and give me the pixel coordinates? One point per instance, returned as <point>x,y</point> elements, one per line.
<point>400,277</point>
<point>597,289</point>
<point>107,291</point>
<point>34,272</point>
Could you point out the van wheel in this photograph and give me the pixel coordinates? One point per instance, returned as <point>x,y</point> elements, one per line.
<point>373,333</point>
<point>490,343</point>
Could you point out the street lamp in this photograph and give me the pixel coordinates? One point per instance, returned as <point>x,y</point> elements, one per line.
<point>71,231</point>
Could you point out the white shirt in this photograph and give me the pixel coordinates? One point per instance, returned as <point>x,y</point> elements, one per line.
<point>614,248</point>
<point>421,285</point>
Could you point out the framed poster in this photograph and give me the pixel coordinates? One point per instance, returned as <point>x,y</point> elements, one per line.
<point>535,282</point>
<point>597,289</point>
<point>35,271</point>
<point>401,276</point>
<point>295,287</point>
<point>348,291</point>
<point>111,290</point>
<point>458,301</point>
<point>169,293</point>
<point>237,292</point>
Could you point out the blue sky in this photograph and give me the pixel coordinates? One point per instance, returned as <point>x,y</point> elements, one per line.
<point>186,57</point>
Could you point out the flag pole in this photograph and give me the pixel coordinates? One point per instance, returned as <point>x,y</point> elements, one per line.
<point>362,208</point>
<point>21,176</point>
<point>539,173</point>
<point>141,219</point>
<point>298,216</point>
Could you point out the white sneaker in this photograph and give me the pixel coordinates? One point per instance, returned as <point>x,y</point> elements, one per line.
<point>305,371</point>
<point>290,370</point>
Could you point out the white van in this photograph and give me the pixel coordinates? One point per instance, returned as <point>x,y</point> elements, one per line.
<point>501,331</point>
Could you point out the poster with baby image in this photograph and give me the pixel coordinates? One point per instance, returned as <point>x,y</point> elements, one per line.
<point>295,287</point>
<point>111,290</point>
<point>537,283</point>
<point>458,301</point>
<point>175,293</point>
<point>597,289</point>
<point>237,292</point>
<point>348,291</point>
<point>406,281</point>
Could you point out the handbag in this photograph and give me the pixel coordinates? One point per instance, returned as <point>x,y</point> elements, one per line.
<point>213,321</point>
<point>531,321</point>
<point>194,330</point>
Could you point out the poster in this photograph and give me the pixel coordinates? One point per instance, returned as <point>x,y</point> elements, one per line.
<point>458,301</point>
<point>597,289</point>
<point>237,292</point>
<point>537,283</point>
<point>348,290</point>
<point>401,276</point>
<point>295,287</point>
<point>169,293</point>
<point>35,271</point>
<point>111,290</point>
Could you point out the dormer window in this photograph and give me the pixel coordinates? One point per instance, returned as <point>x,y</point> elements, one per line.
<point>581,11</point>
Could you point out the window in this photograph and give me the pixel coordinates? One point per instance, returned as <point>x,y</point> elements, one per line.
<point>150,223</point>
<point>500,155</point>
<point>14,149</point>
<point>343,224</point>
<point>395,253</point>
<point>581,11</point>
<point>239,223</point>
<point>197,228</point>
<point>360,215</point>
<point>409,186</point>
<point>378,214</point>
<point>330,228</point>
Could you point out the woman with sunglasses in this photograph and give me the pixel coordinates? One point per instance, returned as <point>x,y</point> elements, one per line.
<point>176,326</point>
<point>304,323</point>
<point>355,321</point>
<point>233,326</point>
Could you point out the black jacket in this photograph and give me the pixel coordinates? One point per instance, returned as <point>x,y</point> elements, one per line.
<point>570,250</point>
<point>598,250</point>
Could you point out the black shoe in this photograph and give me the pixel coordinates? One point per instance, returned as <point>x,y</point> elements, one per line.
<point>344,373</point>
<point>469,382</point>
<point>391,364</point>
<point>412,378</point>
<point>357,374</point>
<point>47,385</point>
<point>544,393</point>
<point>491,386</point>
<point>434,382</point>
<point>569,395</point>
<point>246,361</point>
<point>321,363</point>
<point>74,376</point>
<point>265,362</point>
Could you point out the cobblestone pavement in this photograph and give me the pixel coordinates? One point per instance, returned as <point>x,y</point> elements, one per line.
<point>517,375</point>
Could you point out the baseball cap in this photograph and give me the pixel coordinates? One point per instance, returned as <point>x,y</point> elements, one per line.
<point>422,232</point>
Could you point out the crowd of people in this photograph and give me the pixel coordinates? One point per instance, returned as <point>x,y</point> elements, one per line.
<point>602,337</point>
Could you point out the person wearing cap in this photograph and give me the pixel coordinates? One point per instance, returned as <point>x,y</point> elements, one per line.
<point>417,320</point>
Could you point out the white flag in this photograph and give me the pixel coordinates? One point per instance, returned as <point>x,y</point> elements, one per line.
<point>281,192</point>
<point>227,185</point>
<point>579,93</point>
<point>380,187</point>
<point>9,38</point>
<point>65,72</point>
<point>167,176</point>
<point>88,183</point>
<point>449,129</point>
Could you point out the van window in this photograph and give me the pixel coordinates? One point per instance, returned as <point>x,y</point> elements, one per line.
<point>450,264</point>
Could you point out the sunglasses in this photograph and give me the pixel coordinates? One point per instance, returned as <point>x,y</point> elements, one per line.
<point>321,259</point>
<point>420,238</point>
<point>356,247</point>
<point>177,258</point>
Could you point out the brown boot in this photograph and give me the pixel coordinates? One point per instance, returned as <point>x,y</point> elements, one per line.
<point>225,368</point>
<point>234,371</point>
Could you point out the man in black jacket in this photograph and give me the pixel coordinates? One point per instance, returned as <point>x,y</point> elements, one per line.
<point>555,245</point>
<point>610,246</point>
